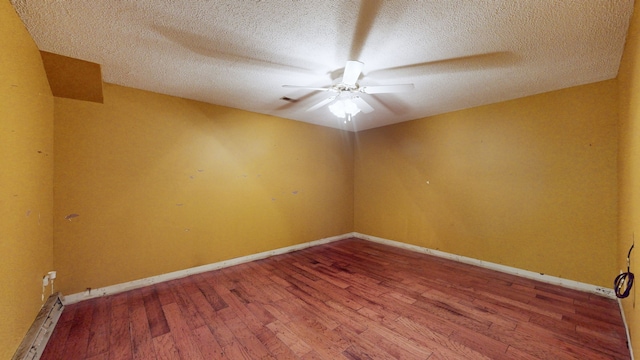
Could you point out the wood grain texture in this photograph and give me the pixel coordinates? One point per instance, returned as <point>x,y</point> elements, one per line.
<point>350,299</point>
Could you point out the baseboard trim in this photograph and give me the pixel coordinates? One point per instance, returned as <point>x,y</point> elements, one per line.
<point>571,284</point>
<point>136,284</point>
<point>36,339</point>
<point>122,287</point>
<point>118,288</point>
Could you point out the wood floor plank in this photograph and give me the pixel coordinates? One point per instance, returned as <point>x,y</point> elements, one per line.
<point>442,346</point>
<point>141,341</point>
<point>429,320</point>
<point>318,309</point>
<point>181,332</point>
<point>350,299</point>
<point>78,339</point>
<point>516,354</point>
<point>397,347</point>
<point>262,291</point>
<point>250,344</point>
<point>165,295</point>
<point>348,316</point>
<point>262,316</point>
<point>209,292</point>
<point>99,333</point>
<point>453,313</point>
<point>276,347</point>
<point>119,335</point>
<point>536,341</point>
<point>507,312</point>
<point>187,309</point>
<point>598,341</point>
<point>360,347</point>
<point>225,338</point>
<point>325,273</point>
<point>278,314</point>
<point>103,356</point>
<point>488,314</point>
<point>298,346</point>
<point>481,343</point>
<point>325,342</point>
<point>165,347</point>
<point>207,343</point>
<point>157,322</point>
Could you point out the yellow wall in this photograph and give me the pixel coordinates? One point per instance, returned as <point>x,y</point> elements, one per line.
<point>26,171</point>
<point>528,183</point>
<point>147,184</point>
<point>160,184</point>
<point>629,170</point>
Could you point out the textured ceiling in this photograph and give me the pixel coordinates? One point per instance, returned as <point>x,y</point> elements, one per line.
<point>458,53</point>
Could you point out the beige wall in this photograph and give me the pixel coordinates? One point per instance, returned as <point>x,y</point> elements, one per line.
<point>26,171</point>
<point>161,184</point>
<point>629,170</point>
<point>528,183</point>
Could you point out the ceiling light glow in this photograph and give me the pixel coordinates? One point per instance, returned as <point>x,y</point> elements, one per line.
<point>344,108</point>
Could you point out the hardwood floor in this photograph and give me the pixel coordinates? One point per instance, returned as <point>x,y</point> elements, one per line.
<point>350,299</point>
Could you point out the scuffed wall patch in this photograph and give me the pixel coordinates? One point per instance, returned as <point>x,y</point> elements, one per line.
<point>71,216</point>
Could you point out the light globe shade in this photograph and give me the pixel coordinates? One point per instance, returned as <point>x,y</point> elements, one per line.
<point>341,108</point>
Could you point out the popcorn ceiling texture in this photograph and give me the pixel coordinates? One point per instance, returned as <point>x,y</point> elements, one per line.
<point>458,53</point>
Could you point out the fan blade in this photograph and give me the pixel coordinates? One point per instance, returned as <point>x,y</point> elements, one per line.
<point>493,60</point>
<point>201,44</point>
<point>352,72</point>
<point>322,103</point>
<point>384,89</point>
<point>362,105</point>
<point>368,12</point>
<point>306,87</point>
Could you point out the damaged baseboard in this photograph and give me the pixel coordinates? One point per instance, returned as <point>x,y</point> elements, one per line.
<point>40,331</point>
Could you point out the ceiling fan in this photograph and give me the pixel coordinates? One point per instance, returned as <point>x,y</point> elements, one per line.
<point>346,102</point>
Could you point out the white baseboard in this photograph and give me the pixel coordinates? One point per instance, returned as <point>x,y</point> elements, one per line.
<point>136,284</point>
<point>598,290</point>
<point>118,288</point>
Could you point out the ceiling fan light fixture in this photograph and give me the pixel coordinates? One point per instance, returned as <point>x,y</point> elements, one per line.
<point>346,102</point>
<point>344,108</point>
